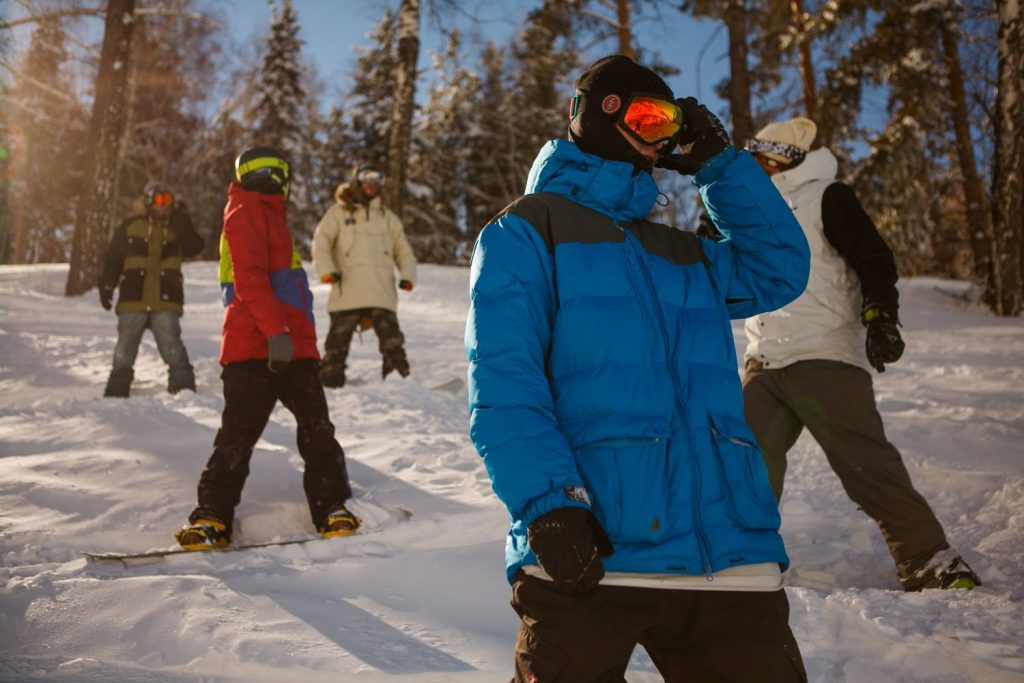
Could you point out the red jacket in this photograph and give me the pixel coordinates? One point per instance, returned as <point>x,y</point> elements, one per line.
<point>263,284</point>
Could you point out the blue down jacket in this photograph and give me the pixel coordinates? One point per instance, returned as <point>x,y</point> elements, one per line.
<point>602,367</point>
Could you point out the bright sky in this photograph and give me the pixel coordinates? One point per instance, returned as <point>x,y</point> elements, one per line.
<point>331,28</point>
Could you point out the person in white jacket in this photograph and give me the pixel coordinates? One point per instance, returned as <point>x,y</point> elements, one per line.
<point>808,363</point>
<point>357,246</point>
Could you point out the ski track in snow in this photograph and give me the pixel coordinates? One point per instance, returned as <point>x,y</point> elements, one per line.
<point>426,600</point>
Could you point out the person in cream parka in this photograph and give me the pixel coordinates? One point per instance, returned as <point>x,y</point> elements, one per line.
<point>356,248</point>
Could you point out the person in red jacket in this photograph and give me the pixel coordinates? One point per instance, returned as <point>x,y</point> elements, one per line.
<point>269,354</point>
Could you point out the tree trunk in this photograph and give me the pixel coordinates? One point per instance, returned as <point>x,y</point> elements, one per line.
<point>1007,282</point>
<point>739,79</point>
<point>806,62</point>
<point>978,226</point>
<point>400,133</point>
<point>96,209</point>
<point>625,29</point>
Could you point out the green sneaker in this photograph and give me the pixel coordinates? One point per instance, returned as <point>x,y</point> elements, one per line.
<point>948,571</point>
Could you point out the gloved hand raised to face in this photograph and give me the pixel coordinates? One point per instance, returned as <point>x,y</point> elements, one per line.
<point>702,137</point>
<point>279,352</point>
<point>883,343</point>
<point>569,544</point>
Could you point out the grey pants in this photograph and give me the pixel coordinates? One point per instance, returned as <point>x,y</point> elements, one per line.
<point>166,328</point>
<point>836,402</point>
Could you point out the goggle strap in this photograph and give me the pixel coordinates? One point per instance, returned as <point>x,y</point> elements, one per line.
<point>574,106</point>
<point>262,162</point>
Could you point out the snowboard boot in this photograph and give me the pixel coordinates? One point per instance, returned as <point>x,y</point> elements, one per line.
<point>119,383</point>
<point>341,522</point>
<point>948,571</point>
<point>179,379</point>
<point>204,534</point>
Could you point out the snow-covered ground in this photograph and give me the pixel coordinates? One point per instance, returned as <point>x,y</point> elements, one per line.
<point>426,600</point>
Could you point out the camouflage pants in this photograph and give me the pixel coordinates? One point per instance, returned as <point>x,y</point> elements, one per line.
<point>343,325</point>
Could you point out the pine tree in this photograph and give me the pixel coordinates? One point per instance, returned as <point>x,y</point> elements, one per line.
<point>174,59</point>
<point>371,99</point>
<point>491,149</point>
<point>333,158</point>
<point>544,60</point>
<point>50,126</point>
<point>438,175</point>
<point>280,119</point>
<point>277,116</point>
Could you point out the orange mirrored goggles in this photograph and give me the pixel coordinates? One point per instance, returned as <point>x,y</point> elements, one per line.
<point>162,200</point>
<point>652,119</point>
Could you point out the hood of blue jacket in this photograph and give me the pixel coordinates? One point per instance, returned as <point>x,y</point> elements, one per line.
<point>613,188</point>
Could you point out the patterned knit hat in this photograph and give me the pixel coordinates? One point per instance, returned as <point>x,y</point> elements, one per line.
<point>602,89</point>
<point>786,142</point>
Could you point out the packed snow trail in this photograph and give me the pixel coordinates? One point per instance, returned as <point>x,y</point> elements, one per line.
<point>426,600</point>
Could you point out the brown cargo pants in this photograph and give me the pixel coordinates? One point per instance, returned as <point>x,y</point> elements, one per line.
<point>691,635</point>
<point>836,402</point>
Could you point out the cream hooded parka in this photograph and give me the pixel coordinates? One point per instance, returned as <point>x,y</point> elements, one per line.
<point>364,242</point>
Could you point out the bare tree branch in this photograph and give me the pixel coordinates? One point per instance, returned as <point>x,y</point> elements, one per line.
<point>99,12</point>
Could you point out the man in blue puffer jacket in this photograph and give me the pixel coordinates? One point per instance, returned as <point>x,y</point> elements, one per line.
<point>606,403</point>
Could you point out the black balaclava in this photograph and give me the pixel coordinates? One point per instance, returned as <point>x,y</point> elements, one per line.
<point>593,130</point>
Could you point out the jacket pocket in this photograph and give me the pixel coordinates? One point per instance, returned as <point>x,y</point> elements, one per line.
<point>744,473</point>
<point>132,280</point>
<point>172,286</point>
<point>628,482</point>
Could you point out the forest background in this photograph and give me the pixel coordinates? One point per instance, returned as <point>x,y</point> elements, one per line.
<point>920,101</point>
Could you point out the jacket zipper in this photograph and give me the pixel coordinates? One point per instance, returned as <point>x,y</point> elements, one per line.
<point>659,320</point>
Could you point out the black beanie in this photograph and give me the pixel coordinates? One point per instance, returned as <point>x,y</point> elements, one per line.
<point>592,129</point>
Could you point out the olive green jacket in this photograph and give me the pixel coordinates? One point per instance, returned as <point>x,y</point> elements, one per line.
<point>144,260</point>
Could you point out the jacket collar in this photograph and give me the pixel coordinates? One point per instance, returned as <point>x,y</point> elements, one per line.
<point>238,194</point>
<point>607,186</point>
<point>820,164</point>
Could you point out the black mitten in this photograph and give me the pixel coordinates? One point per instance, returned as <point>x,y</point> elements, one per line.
<point>702,137</point>
<point>569,544</point>
<point>106,297</point>
<point>884,343</point>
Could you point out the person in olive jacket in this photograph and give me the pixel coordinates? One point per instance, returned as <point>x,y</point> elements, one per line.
<point>143,262</point>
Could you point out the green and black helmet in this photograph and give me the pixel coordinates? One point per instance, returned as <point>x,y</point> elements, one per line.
<point>263,169</point>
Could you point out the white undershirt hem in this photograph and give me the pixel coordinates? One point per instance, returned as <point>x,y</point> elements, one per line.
<point>764,576</point>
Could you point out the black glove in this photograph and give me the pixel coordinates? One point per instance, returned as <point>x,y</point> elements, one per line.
<point>884,343</point>
<point>568,543</point>
<point>702,137</point>
<point>279,352</point>
<point>106,297</point>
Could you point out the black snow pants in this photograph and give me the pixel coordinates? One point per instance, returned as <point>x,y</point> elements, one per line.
<point>250,393</point>
<point>691,635</point>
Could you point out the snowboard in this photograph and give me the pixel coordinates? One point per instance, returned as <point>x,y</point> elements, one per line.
<point>153,556</point>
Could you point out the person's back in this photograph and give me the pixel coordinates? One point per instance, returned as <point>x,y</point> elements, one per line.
<point>269,355</point>
<point>605,401</point>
